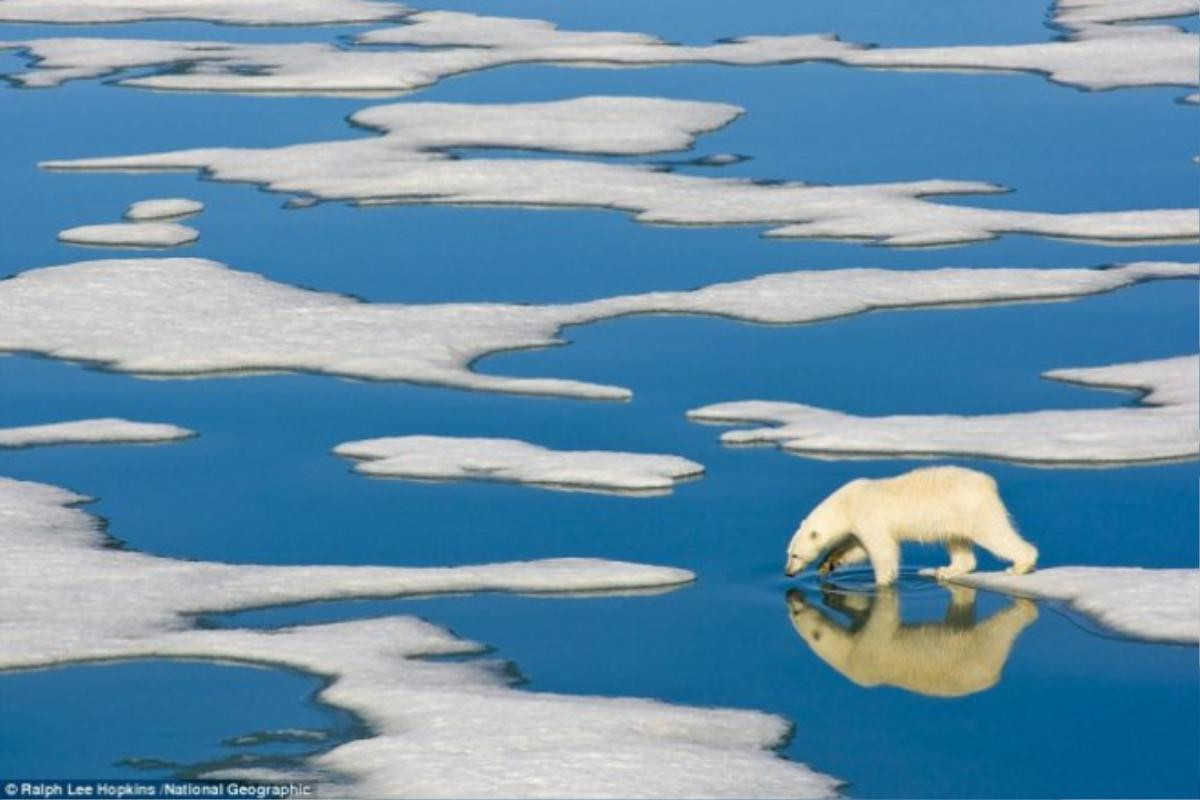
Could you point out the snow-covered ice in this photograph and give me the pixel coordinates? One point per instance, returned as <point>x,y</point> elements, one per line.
<point>408,164</point>
<point>228,12</point>
<point>436,728</point>
<point>1097,51</point>
<point>49,543</point>
<point>92,431</point>
<point>317,68</point>
<point>516,40</point>
<point>156,235</point>
<point>1155,604</point>
<point>812,295</point>
<point>1164,426</point>
<point>1079,13</point>
<point>1100,51</point>
<point>187,316</point>
<point>163,208</point>
<point>512,460</point>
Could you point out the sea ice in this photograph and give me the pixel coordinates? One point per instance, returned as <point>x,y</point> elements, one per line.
<point>1079,13</point>
<point>187,316</point>
<point>1162,427</point>
<point>157,235</point>
<point>92,431</point>
<point>1155,604</point>
<point>163,208</point>
<point>1098,52</point>
<point>459,458</point>
<point>408,164</point>
<point>436,728</point>
<point>437,44</point>
<point>228,12</point>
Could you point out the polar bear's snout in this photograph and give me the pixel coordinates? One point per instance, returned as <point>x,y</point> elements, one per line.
<point>806,545</point>
<point>796,555</point>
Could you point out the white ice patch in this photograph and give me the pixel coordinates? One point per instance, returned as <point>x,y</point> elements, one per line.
<point>446,43</point>
<point>92,431</point>
<point>1079,13</point>
<point>184,316</point>
<point>437,729</point>
<point>163,208</point>
<point>227,12</point>
<point>407,164</point>
<point>1155,604</point>
<point>448,458</point>
<point>1163,427</point>
<point>1097,53</point>
<point>513,40</point>
<point>155,235</point>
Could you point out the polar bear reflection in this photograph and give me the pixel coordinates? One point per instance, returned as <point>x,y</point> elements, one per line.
<point>956,657</point>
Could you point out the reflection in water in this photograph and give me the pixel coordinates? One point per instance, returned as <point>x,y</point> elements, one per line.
<point>952,658</point>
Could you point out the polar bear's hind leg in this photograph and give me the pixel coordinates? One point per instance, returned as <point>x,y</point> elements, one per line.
<point>1003,540</point>
<point>962,559</point>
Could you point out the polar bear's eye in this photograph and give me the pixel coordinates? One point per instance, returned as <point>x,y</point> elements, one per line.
<point>812,535</point>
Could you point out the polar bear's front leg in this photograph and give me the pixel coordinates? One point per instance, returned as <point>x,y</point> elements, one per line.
<point>847,552</point>
<point>884,553</point>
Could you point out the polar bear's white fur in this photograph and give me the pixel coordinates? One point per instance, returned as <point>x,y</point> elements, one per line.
<point>958,506</point>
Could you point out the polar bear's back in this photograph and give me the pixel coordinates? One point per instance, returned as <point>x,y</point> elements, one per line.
<point>941,481</point>
<point>932,503</point>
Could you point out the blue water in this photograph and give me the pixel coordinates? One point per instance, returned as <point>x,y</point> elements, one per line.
<point>57,722</point>
<point>1071,713</point>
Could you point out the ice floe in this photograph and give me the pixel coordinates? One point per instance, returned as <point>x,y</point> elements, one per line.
<point>92,431</point>
<point>408,164</point>
<point>1098,52</point>
<point>186,316</point>
<point>437,728</point>
<point>1155,604</point>
<point>515,40</point>
<point>1163,427</point>
<point>157,235</point>
<point>446,458</point>
<point>438,44</point>
<point>1080,13</point>
<point>163,208</point>
<point>228,12</point>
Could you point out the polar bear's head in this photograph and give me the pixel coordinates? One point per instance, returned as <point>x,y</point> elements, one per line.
<point>827,525</point>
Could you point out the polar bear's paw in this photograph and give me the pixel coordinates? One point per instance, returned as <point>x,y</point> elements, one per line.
<point>943,573</point>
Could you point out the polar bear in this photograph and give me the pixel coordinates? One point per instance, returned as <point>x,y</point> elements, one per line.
<point>953,658</point>
<point>870,518</point>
